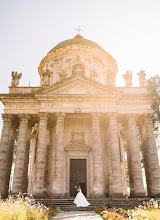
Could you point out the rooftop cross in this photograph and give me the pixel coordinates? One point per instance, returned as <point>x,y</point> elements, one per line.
<point>78,29</point>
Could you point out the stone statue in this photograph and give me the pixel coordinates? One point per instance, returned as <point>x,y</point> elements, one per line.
<point>15,78</point>
<point>110,78</point>
<point>142,78</point>
<point>46,75</point>
<point>94,74</point>
<point>128,78</point>
<point>63,74</point>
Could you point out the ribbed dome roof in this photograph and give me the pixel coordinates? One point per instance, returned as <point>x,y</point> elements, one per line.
<point>78,39</point>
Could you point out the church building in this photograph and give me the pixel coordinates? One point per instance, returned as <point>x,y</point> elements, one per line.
<point>78,128</point>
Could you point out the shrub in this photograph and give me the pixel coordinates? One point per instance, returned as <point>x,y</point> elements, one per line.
<point>24,208</point>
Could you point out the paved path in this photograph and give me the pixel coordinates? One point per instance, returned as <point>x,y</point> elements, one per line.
<point>78,215</point>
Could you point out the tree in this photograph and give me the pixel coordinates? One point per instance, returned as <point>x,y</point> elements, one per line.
<point>153,86</point>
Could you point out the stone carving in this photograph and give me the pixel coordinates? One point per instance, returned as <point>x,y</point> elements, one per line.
<point>78,137</point>
<point>63,74</point>
<point>15,78</point>
<point>148,118</point>
<point>94,74</point>
<point>78,147</point>
<point>46,75</point>
<point>128,78</point>
<point>7,117</point>
<point>78,58</point>
<point>78,69</point>
<point>142,78</point>
<point>110,78</point>
<point>43,116</point>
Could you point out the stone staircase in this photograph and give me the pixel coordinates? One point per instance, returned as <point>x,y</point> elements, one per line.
<point>68,205</point>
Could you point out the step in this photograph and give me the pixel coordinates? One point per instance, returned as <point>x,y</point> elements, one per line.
<point>68,205</point>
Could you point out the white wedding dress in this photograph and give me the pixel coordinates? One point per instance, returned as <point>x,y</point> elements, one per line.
<point>81,200</point>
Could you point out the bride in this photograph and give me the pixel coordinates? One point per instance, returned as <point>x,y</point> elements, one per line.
<point>80,199</point>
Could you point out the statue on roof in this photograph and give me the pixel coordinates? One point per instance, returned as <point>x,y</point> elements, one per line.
<point>46,75</point>
<point>128,78</point>
<point>15,78</point>
<point>142,78</point>
<point>63,74</point>
<point>110,78</point>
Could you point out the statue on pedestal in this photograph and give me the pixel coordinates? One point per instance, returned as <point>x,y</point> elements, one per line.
<point>128,78</point>
<point>142,78</point>
<point>46,75</point>
<point>15,78</point>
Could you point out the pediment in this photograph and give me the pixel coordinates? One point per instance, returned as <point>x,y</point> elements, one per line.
<point>77,86</point>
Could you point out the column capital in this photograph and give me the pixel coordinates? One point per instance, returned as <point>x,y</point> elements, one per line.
<point>95,114</point>
<point>112,115</point>
<point>147,118</point>
<point>131,117</point>
<point>43,116</point>
<point>60,114</point>
<point>7,117</point>
<point>24,117</point>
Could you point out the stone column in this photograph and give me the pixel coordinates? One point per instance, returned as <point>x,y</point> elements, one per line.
<point>12,137</point>
<point>4,143</point>
<point>59,155</point>
<point>117,187</point>
<point>41,155</point>
<point>20,154</point>
<point>150,155</point>
<point>97,156</point>
<point>129,162</point>
<point>26,162</point>
<point>138,189</point>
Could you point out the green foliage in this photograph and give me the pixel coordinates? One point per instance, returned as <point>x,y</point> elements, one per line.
<point>153,86</point>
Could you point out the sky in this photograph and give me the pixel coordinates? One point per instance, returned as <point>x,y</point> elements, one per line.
<point>129,30</point>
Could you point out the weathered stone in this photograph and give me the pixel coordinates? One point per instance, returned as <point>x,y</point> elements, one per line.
<point>135,170</point>
<point>78,77</point>
<point>40,155</point>
<point>4,156</point>
<point>20,155</point>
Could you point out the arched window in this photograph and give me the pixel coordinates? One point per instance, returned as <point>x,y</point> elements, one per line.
<point>78,69</point>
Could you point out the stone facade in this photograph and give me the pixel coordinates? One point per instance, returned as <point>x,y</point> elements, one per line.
<point>78,115</point>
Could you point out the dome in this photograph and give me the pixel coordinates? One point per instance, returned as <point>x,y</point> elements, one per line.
<point>78,39</point>
<point>78,56</point>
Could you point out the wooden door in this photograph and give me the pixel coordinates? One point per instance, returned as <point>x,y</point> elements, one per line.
<point>78,176</point>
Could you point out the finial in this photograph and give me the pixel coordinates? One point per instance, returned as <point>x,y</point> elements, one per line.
<point>78,29</point>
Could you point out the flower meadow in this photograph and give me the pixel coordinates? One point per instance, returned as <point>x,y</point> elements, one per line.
<point>24,208</point>
<point>149,210</point>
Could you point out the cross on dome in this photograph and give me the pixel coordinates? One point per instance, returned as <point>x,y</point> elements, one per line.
<point>78,29</point>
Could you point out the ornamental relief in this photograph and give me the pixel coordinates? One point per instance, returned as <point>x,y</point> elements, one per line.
<point>78,137</point>
<point>78,90</point>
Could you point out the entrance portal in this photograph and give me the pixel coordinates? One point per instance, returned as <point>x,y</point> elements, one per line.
<point>78,176</point>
